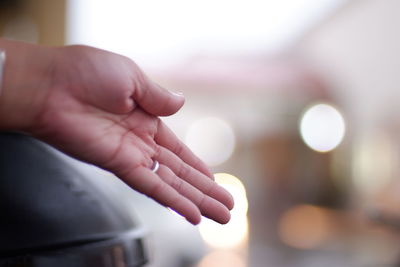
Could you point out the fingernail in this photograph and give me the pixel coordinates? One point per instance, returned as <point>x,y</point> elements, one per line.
<point>179,94</point>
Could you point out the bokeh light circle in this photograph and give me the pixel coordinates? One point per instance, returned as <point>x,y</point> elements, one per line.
<point>212,139</point>
<point>322,127</point>
<point>234,233</point>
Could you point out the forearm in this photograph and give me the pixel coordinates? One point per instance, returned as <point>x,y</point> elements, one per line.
<point>26,81</point>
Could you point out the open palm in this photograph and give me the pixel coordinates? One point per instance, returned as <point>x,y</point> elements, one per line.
<point>102,109</point>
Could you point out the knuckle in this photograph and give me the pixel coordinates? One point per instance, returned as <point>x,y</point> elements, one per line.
<point>202,201</point>
<point>210,188</point>
<point>157,189</point>
<point>178,149</point>
<point>157,150</point>
<point>178,185</point>
<point>184,171</point>
<point>140,85</point>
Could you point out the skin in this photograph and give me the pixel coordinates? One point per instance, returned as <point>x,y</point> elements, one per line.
<point>99,107</point>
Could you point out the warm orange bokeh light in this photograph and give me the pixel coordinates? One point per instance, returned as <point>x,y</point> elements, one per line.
<point>222,259</point>
<point>305,227</point>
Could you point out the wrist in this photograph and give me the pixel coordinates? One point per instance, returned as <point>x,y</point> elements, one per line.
<point>2,63</point>
<point>26,81</point>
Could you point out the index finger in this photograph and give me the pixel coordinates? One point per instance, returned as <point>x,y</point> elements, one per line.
<point>166,138</point>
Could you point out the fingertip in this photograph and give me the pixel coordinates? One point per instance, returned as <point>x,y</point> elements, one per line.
<point>179,95</point>
<point>224,217</point>
<point>173,105</point>
<point>215,210</point>
<point>194,219</point>
<point>207,171</point>
<point>193,215</point>
<point>157,100</point>
<point>223,196</point>
<point>180,99</point>
<point>230,203</point>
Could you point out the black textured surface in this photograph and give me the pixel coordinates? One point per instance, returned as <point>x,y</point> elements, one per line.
<point>46,204</point>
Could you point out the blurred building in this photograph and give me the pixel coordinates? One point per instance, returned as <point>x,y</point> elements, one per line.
<point>250,71</point>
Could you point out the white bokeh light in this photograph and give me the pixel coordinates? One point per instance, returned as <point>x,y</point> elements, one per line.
<point>235,232</point>
<point>212,139</point>
<point>322,127</point>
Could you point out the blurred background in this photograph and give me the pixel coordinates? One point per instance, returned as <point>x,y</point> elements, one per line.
<point>293,104</point>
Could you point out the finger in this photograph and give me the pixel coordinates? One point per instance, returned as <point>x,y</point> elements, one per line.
<point>149,183</point>
<point>195,178</point>
<point>155,99</point>
<point>166,138</point>
<point>208,206</point>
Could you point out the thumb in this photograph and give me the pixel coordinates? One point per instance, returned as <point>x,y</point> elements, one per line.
<point>157,100</point>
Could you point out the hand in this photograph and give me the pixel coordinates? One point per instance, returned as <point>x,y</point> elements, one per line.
<point>99,107</point>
